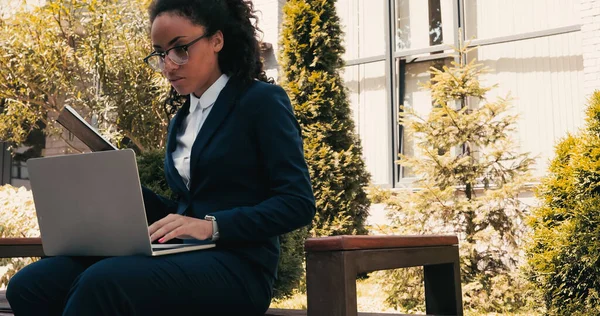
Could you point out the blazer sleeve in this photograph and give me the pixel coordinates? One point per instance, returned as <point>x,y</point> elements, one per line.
<point>156,205</point>
<point>291,204</point>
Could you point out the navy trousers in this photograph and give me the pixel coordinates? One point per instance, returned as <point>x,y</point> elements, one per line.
<point>206,282</point>
<point>209,282</point>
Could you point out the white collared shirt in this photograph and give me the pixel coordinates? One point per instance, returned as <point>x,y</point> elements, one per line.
<point>191,125</point>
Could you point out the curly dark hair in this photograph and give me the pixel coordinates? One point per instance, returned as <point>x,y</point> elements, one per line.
<point>240,56</point>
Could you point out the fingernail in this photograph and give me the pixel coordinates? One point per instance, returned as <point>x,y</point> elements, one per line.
<point>161,240</point>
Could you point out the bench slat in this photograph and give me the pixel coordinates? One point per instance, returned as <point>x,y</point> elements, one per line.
<point>21,241</point>
<point>21,247</point>
<point>338,243</point>
<point>285,312</point>
<point>296,312</point>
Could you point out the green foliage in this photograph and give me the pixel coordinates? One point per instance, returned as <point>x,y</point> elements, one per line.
<point>311,58</point>
<point>405,288</point>
<point>151,167</point>
<point>311,51</point>
<point>17,220</point>
<point>565,250</point>
<point>87,54</point>
<point>290,270</point>
<point>469,177</point>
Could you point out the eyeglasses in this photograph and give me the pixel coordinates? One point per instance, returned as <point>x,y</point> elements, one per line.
<point>178,55</point>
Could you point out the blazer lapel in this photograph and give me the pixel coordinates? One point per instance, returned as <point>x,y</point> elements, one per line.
<point>171,172</point>
<point>223,105</point>
<point>174,128</point>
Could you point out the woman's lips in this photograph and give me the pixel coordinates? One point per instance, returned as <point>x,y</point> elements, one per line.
<point>174,80</point>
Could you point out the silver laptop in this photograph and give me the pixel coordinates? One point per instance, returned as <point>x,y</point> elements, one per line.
<point>91,205</point>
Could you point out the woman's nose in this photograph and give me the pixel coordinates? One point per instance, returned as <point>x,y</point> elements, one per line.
<point>169,64</point>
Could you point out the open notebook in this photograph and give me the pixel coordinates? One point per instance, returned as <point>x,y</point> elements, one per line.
<point>78,126</point>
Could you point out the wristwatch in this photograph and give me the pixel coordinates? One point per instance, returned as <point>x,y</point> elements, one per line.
<point>215,234</point>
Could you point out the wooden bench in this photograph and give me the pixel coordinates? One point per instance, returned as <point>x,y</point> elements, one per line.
<point>332,264</point>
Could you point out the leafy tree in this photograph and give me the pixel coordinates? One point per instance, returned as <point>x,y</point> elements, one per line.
<point>565,251</point>
<point>469,177</point>
<point>87,54</point>
<point>311,59</point>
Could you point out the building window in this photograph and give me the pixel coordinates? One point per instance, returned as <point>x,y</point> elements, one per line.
<point>420,24</point>
<point>412,96</point>
<point>371,116</point>
<point>32,148</point>
<point>534,52</point>
<point>19,170</point>
<point>363,23</point>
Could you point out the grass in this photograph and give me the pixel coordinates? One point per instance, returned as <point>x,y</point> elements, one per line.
<point>370,298</point>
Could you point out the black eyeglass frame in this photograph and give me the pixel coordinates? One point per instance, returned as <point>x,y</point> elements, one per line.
<point>164,54</point>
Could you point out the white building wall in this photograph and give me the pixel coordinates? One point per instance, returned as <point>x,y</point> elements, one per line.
<point>270,17</point>
<point>543,76</point>
<point>363,23</point>
<point>590,41</point>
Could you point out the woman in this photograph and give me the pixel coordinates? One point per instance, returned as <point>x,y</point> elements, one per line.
<point>235,159</point>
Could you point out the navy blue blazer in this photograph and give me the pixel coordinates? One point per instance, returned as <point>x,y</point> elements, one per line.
<point>247,169</point>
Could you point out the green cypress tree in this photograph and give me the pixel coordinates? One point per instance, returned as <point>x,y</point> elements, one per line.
<point>311,59</point>
<point>564,254</point>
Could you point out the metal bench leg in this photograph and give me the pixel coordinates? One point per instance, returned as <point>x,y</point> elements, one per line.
<point>330,284</point>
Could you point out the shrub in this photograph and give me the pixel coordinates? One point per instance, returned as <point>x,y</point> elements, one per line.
<point>17,219</point>
<point>311,59</point>
<point>564,256</point>
<point>151,167</point>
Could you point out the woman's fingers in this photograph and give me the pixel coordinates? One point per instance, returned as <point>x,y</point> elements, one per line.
<point>177,226</point>
<point>169,227</point>
<point>160,223</point>
<point>177,232</point>
<point>165,225</point>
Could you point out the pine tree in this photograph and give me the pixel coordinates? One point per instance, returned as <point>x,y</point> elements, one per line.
<point>564,254</point>
<point>311,59</point>
<point>469,179</point>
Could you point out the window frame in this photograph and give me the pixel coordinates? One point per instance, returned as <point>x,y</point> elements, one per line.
<point>395,83</point>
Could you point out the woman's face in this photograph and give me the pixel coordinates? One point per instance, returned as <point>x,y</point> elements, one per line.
<point>202,68</point>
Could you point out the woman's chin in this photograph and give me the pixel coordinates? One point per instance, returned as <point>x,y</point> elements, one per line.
<point>181,88</point>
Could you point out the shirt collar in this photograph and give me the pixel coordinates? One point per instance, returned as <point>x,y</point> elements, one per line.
<point>209,97</point>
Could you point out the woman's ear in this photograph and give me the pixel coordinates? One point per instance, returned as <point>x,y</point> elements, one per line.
<point>217,41</point>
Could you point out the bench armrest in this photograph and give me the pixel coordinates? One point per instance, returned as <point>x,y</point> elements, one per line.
<point>338,243</point>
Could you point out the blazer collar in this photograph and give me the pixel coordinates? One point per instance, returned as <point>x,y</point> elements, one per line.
<point>209,97</point>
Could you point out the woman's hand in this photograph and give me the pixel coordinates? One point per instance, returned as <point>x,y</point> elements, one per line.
<point>178,226</point>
